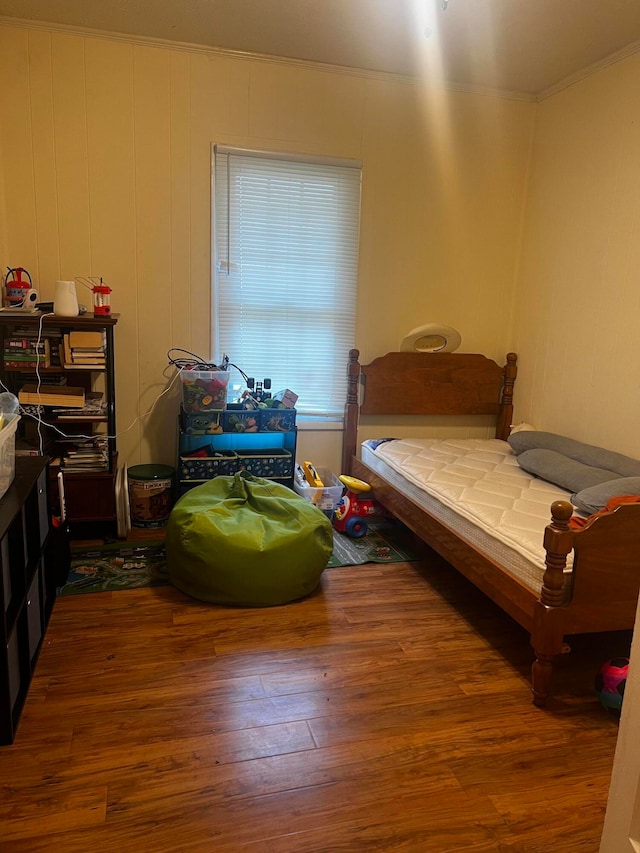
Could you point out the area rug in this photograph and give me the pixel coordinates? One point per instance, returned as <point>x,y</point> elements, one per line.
<point>106,568</point>
<point>384,542</point>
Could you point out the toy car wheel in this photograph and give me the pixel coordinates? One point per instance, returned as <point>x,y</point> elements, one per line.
<point>355,527</point>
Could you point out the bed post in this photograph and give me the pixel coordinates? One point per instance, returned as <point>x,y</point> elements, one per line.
<point>505,412</point>
<point>547,635</point>
<point>350,436</point>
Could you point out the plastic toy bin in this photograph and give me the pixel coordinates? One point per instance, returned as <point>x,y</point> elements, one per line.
<point>8,452</point>
<point>224,462</point>
<point>266,463</point>
<point>325,498</point>
<point>201,423</point>
<point>237,419</point>
<point>204,390</point>
<point>276,420</point>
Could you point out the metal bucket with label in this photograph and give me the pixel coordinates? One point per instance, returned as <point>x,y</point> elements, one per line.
<point>150,494</point>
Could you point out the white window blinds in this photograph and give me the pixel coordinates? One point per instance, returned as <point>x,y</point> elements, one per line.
<point>286,256</point>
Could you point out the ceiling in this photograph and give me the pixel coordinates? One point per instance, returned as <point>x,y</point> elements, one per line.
<point>519,46</point>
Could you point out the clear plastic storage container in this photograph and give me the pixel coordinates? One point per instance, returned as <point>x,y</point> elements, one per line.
<point>8,452</point>
<point>325,498</point>
<point>204,390</point>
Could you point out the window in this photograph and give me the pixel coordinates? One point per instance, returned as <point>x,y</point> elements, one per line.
<point>286,254</point>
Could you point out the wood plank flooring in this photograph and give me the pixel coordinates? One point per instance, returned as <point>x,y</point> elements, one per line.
<point>389,711</point>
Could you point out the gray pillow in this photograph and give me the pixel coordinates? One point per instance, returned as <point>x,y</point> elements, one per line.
<point>564,472</point>
<point>589,454</point>
<point>595,498</point>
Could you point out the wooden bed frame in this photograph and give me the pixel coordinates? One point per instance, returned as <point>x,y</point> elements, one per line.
<point>605,577</point>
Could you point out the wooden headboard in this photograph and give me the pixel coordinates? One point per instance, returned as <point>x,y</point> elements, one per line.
<point>418,383</point>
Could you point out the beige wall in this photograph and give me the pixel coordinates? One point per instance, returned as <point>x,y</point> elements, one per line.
<point>105,148</point>
<point>578,308</point>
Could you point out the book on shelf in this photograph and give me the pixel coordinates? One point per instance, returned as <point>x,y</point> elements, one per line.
<point>66,351</point>
<point>90,340</point>
<point>94,407</point>
<point>25,352</point>
<point>28,331</point>
<point>18,344</point>
<point>72,466</point>
<point>55,350</point>
<point>79,355</point>
<point>78,366</point>
<point>84,454</point>
<point>81,361</point>
<point>52,395</point>
<point>22,364</point>
<point>45,378</point>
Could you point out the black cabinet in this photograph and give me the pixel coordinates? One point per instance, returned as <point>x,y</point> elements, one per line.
<point>28,564</point>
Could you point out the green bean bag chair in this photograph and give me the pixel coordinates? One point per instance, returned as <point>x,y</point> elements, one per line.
<point>248,541</point>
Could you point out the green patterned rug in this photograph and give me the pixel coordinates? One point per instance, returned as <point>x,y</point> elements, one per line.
<point>384,542</point>
<point>110,567</point>
<point>106,568</point>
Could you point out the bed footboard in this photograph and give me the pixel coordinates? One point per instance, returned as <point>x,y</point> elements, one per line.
<point>547,634</point>
<point>604,583</point>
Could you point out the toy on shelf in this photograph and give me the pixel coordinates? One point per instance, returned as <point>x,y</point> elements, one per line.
<point>16,288</point>
<point>353,510</point>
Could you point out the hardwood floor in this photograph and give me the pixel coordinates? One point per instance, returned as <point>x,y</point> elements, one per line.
<point>389,711</point>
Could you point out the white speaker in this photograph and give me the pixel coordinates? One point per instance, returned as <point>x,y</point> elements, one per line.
<point>30,299</point>
<point>65,300</point>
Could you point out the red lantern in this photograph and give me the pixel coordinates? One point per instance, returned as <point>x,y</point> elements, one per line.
<point>101,300</point>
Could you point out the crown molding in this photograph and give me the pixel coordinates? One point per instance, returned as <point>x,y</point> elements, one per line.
<point>612,59</point>
<point>226,53</point>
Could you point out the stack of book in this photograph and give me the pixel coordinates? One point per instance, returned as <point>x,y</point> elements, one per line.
<point>52,395</point>
<point>45,379</point>
<point>22,353</point>
<point>85,350</point>
<point>85,454</point>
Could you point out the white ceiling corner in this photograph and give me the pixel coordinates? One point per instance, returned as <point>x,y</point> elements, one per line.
<point>526,48</point>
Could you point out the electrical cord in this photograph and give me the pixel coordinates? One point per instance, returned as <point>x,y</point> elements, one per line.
<point>192,362</point>
<point>197,363</point>
<point>38,418</point>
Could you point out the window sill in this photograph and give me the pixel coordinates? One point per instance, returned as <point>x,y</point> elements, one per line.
<point>319,424</point>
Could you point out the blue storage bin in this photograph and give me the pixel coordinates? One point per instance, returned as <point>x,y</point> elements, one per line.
<point>240,420</point>
<point>266,463</point>
<point>276,420</point>
<point>200,423</point>
<point>206,467</point>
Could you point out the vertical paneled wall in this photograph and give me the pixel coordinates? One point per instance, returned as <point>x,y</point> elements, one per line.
<point>578,306</point>
<point>106,170</point>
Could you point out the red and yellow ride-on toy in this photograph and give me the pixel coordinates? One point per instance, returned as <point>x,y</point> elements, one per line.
<point>353,510</point>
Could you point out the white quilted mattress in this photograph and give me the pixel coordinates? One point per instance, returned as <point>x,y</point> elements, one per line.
<point>477,488</point>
